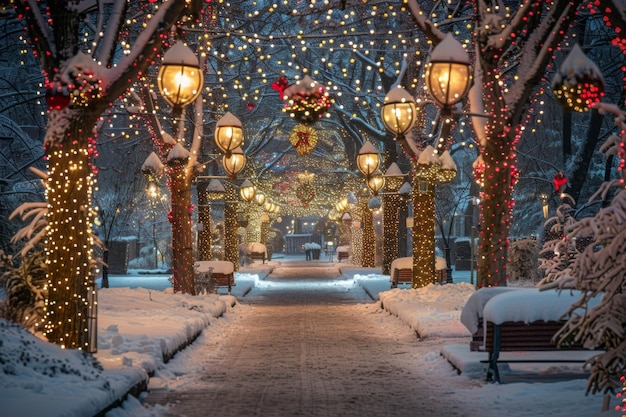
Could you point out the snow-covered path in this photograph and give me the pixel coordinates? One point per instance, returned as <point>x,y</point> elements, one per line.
<point>305,342</point>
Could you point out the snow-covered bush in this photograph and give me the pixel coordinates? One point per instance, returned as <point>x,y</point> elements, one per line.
<point>522,259</point>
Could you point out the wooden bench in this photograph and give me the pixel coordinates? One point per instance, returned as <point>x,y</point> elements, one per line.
<point>258,256</point>
<point>402,271</point>
<point>525,337</point>
<point>401,276</point>
<point>523,323</point>
<point>211,275</point>
<point>342,253</point>
<point>258,251</point>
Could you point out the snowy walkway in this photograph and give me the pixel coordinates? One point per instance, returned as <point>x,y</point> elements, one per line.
<point>305,342</point>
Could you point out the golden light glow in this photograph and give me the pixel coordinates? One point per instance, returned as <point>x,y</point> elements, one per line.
<point>399,111</point>
<point>228,133</point>
<point>180,79</point>
<point>234,163</point>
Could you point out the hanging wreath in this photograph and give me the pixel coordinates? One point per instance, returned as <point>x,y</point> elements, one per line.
<point>303,138</point>
<point>578,84</point>
<point>306,100</point>
<point>305,193</point>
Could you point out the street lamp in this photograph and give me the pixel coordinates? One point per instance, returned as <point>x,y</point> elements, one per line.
<point>448,75</point>
<point>180,82</point>
<point>399,112</point>
<point>375,182</point>
<point>259,198</point>
<point>228,133</point>
<point>367,160</point>
<point>247,191</point>
<point>234,163</point>
<point>180,78</point>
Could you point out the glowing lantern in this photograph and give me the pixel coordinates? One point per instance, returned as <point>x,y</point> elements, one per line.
<point>448,74</point>
<point>228,133</point>
<point>180,78</point>
<point>399,111</point>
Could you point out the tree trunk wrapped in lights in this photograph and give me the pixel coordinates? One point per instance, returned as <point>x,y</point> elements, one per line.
<point>81,86</point>
<point>392,203</point>
<point>427,174</point>
<point>182,236</point>
<point>205,240</point>
<point>368,239</point>
<point>69,249</point>
<point>231,223</point>
<point>231,237</point>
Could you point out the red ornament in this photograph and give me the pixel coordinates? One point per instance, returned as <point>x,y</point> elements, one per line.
<point>57,99</point>
<point>280,85</point>
<point>559,182</point>
<point>250,106</point>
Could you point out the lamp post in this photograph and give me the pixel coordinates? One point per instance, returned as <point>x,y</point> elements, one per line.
<point>228,133</point>
<point>448,78</point>
<point>368,162</point>
<point>473,234</point>
<point>180,81</point>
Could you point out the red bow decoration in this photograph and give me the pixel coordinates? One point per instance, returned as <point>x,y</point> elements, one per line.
<point>303,139</point>
<point>280,85</point>
<point>559,181</point>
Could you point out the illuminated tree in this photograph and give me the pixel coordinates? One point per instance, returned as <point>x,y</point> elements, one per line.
<point>86,66</point>
<point>527,38</point>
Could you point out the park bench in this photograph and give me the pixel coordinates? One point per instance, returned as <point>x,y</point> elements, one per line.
<point>258,251</point>
<point>402,271</point>
<point>519,327</point>
<point>343,252</point>
<point>211,275</point>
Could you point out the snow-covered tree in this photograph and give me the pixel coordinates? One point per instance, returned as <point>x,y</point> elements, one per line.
<point>599,270</point>
<point>87,63</point>
<point>514,44</point>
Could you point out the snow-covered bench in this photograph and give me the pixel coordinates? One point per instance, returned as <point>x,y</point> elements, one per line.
<point>402,270</point>
<point>524,323</point>
<point>472,313</point>
<point>258,251</point>
<point>210,275</point>
<point>343,252</point>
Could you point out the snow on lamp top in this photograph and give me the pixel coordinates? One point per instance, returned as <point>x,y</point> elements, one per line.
<point>178,154</point>
<point>578,84</point>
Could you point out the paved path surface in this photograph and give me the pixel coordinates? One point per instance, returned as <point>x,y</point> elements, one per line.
<point>306,342</point>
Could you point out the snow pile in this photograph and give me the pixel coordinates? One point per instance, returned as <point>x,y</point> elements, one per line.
<point>433,311</point>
